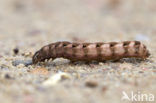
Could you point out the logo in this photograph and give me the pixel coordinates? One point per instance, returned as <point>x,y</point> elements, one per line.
<point>138,96</point>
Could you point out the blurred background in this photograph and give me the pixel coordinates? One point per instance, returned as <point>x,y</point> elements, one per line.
<point>38,22</point>
<point>30,24</point>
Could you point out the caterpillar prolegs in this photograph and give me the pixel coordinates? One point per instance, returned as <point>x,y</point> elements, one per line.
<point>92,51</point>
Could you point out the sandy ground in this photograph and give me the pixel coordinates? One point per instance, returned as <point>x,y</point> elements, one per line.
<point>30,24</point>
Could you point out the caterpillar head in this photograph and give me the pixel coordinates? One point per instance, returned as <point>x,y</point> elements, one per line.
<point>37,57</point>
<point>41,55</point>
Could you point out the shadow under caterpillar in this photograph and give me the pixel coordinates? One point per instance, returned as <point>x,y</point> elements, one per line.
<point>92,51</point>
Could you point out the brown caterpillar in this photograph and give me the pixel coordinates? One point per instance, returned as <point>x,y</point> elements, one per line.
<point>92,51</point>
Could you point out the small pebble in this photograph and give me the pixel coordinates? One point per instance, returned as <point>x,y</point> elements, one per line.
<point>41,71</point>
<point>54,79</point>
<point>27,54</point>
<point>91,84</point>
<point>92,65</point>
<point>141,72</point>
<point>20,66</point>
<point>16,51</point>
<point>24,62</point>
<point>7,76</point>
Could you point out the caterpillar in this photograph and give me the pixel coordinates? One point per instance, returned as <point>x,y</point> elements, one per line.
<point>98,51</point>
